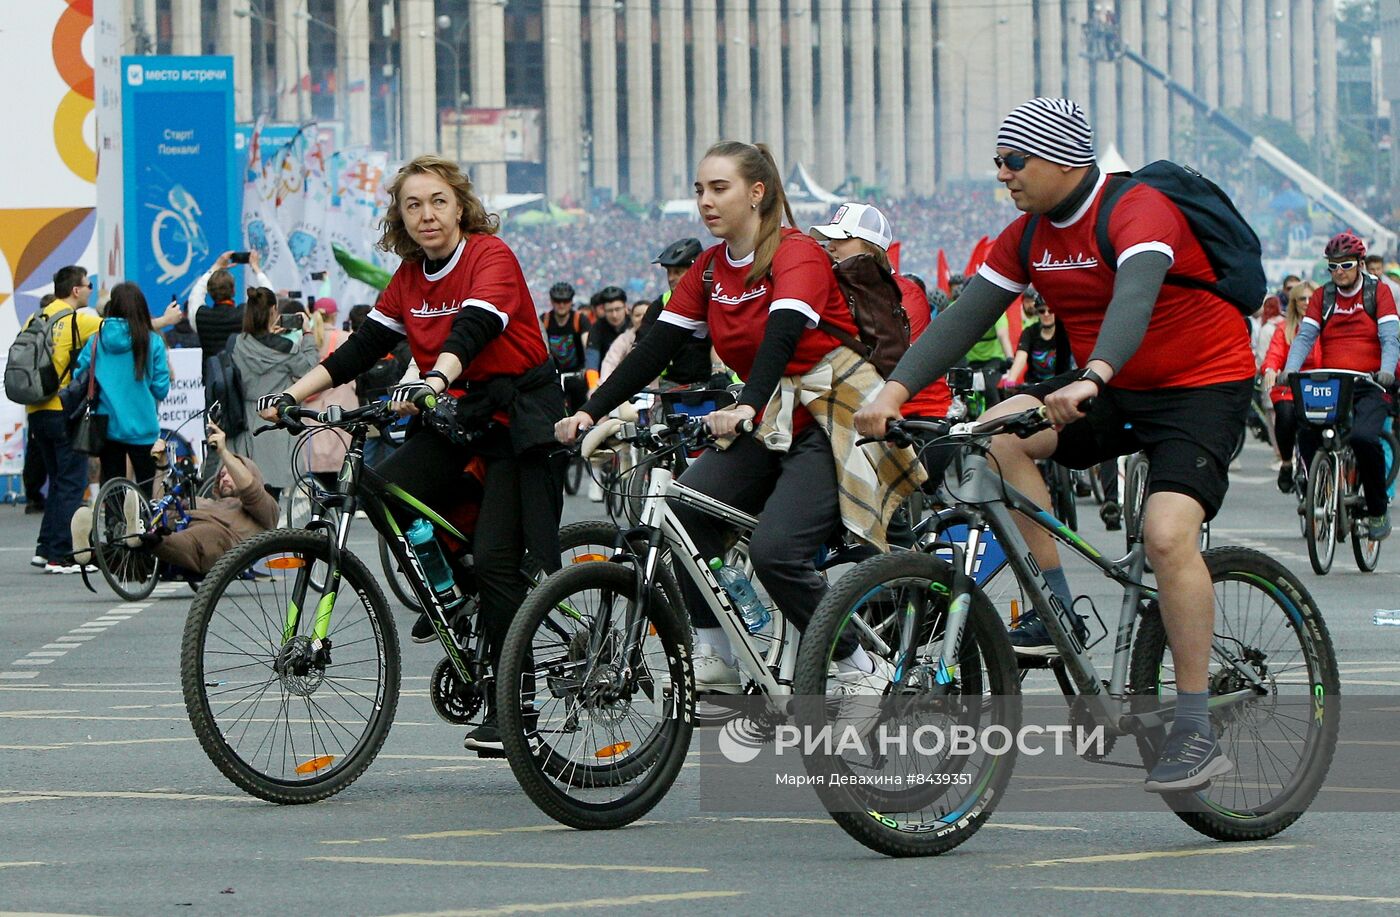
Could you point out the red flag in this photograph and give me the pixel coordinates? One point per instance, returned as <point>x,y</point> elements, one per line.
<point>943,274</point>
<point>980,251</point>
<point>893,254</point>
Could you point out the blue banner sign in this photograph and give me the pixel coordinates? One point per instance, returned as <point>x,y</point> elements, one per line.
<point>182,204</point>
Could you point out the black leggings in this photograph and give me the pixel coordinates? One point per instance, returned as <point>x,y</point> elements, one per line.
<point>1286,428</point>
<point>429,467</point>
<point>143,465</point>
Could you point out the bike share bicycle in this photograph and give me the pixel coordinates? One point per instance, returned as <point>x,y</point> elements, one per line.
<point>1273,675</point>
<point>290,658</point>
<point>1332,506</point>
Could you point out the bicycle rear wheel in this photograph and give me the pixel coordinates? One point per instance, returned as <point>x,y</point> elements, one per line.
<point>120,516</point>
<point>1281,743</point>
<point>284,718</point>
<point>938,802</point>
<point>1320,513</point>
<point>593,742</point>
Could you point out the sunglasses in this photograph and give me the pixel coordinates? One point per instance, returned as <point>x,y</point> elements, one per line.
<point>1341,265</point>
<point>1013,161</point>
<point>1042,311</point>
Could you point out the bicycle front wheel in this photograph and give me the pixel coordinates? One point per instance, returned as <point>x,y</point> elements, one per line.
<point>1281,742</point>
<point>938,802</point>
<point>286,717</point>
<point>1320,511</point>
<point>595,737</point>
<point>119,517</point>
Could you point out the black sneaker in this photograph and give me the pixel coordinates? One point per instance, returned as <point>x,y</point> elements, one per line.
<point>485,739</point>
<point>1030,638</point>
<point>1189,761</point>
<point>1112,515</point>
<point>423,629</point>
<point>1285,479</point>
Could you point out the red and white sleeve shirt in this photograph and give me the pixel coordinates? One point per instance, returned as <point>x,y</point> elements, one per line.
<point>1194,338</point>
<point>482,273</point>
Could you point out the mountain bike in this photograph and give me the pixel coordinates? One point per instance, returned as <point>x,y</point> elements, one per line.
<point>290,659</point>
<point>595,698</point>
<point>1273,672</point>
<point>1333,506</point>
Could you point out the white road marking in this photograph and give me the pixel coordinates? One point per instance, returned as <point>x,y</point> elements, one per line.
<point>18,674</point>
<point>541,907</point>
<point>506,864</point>
<point>1221,893</point>
<point>1148,855</point>
<point>32,662</point>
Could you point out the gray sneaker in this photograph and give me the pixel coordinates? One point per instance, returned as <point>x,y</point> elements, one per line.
<point>1378,527</point>
<point>1189,761</point>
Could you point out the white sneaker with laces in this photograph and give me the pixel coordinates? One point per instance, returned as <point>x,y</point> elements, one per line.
<point>595,491</point>
<point>38,560</point>
<point>857,695</point>
<point>713,673</point>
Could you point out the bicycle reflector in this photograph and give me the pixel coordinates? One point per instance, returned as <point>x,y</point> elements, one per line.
<point>315,765</point>
<point>588,558</point>
<point>286,563</point>
<point>612,751</point>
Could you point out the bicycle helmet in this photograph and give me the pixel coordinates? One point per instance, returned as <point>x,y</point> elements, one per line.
<point>681,253</point>
<point>937,300</point>
<point>562,292</point>
<point>1345,245</point>
<point>609,294</point>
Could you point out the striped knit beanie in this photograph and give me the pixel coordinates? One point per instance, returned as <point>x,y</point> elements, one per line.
<point>1053,129</point>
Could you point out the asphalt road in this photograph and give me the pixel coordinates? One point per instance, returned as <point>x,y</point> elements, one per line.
<point>109,807</point>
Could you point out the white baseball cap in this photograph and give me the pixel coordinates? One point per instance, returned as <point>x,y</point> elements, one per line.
<point>857,221</point>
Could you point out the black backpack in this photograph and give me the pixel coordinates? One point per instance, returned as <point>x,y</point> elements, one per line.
<point>876,304</point>
<point>1230,244</point>
<point>30,375</point>
<point>224,384</point>
<point>1369,285</point>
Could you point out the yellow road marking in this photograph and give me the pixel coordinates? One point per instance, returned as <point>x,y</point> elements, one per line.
<point>586,903</point>
<point>1149,855</point>
<point>31,798</point>
<point>1214,893</point>
<point>124,794</point>
<point>505,864</point>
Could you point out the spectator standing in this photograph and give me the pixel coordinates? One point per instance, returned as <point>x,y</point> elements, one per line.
<point>270,358</point>
<point>216,323</point>
<point>66,469</point>
<point>133,376</point>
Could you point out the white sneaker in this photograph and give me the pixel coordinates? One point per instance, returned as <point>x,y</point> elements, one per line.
<point>80,528</point>
<point>131,519</point>
<point>62,569</point>
<point>857,695</point>
<point>595,491</point>
<point>714,673</point>
<point>39,560</point>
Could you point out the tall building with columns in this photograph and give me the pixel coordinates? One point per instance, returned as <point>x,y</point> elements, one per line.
<point>904,95</point>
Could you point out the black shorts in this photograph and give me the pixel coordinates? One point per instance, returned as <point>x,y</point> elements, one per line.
<point>1187,433</point>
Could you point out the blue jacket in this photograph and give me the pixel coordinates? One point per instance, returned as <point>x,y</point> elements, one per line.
<point>130,403</point>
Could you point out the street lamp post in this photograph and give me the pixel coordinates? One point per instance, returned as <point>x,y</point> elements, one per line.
<point>250,13</point>
<point>444,22</point>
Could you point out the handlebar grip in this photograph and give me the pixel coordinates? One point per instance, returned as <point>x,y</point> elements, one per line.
<point>746,426</point>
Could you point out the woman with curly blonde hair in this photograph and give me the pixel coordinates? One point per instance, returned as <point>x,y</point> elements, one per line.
<point>461,301</point>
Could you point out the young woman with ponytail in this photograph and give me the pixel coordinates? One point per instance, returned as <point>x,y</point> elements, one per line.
<point>772,284</point>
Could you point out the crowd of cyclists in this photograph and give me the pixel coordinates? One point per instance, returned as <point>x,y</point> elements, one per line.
<point>1140,352</point>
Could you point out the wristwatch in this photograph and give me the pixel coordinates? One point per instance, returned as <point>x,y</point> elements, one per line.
<point>446,382</point>
<point>1091,376</point>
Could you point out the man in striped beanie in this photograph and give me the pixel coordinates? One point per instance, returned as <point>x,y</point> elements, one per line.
<point>1166,368</point>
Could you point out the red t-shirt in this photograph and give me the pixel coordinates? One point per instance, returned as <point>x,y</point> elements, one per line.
<point>935,400</point>
<point>482,274</point>
<point>1194,338</point>
<point>737,313</point>
<point>1350,339</point>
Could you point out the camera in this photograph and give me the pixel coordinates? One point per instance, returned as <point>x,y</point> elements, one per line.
<point>292,321</point>
<point>239,257</point>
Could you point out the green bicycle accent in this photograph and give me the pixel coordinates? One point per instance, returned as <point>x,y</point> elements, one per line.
<point>323,615</point>
<point>289,630</point>
<point>432,517</point>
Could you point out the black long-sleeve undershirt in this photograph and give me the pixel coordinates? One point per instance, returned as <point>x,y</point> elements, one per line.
<point>472,330</point>
<point>780,336</point>
<point>648,357</point>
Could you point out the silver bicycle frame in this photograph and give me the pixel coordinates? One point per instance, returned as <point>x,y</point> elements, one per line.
<point>657,514</point>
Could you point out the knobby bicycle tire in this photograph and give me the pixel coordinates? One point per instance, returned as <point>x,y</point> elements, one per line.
<point>984,644</point>
<point>1304,661</point>
<point>573,794</point>
<point>120,513</point>
<point>326,773</point>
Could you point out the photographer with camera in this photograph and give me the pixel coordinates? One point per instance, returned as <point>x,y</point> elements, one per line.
<point>274,349</point>
<point>218,322</point>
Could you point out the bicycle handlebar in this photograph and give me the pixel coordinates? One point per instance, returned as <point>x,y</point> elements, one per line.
<point>1023,424</point>
<point>292,418</point>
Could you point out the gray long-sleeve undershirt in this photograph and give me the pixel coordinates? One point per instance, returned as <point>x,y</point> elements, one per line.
<point>1308,333</point>
<point>1135,289</point>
